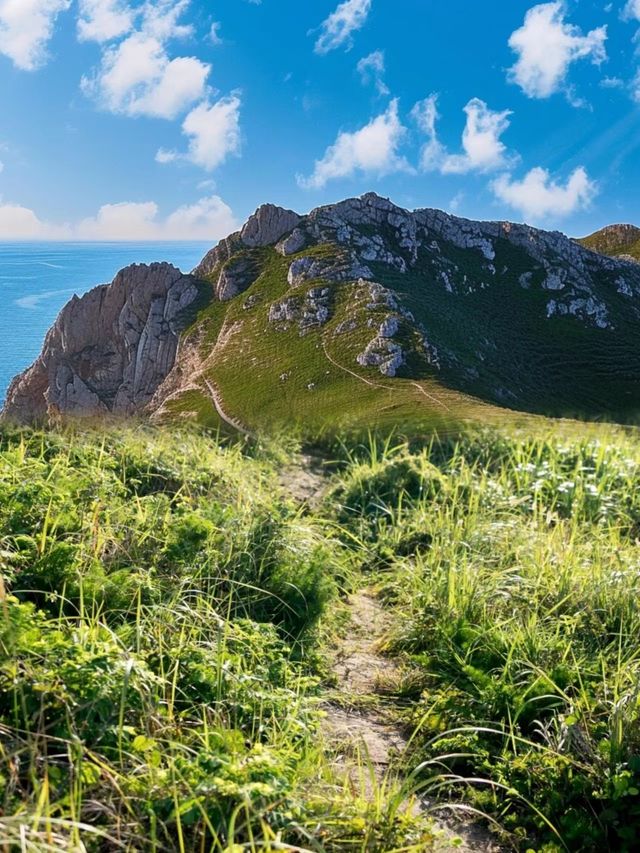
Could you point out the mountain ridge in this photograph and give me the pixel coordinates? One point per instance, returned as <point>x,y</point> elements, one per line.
<point>362,310</point>
<point>621,240</point>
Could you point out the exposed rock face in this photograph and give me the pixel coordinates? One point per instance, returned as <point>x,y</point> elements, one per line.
<point>311,311</point>
<point>499,310</point>
<point>384,354</point>
<point>267,225</point>
<point>109,350</point>
<point>236,276</point>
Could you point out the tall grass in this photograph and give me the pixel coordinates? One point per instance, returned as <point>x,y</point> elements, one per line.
<point>158,596</point>
<point>163,611</point>
<point>512,561</point>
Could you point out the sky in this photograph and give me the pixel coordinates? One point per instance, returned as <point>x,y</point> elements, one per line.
<point>175,119</point>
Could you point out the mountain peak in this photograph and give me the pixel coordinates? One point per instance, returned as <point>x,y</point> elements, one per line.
<point>354,309</point>
<point>620,240</point>
<point>267,225</point>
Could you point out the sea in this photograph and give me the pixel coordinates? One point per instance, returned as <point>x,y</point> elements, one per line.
<point>37,279</point>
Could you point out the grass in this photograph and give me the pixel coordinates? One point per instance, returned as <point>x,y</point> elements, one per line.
<point>271,376</point>
<point>614,241</point>
<point>510,561</point>
<point>159,664</point>
<point>165,613</point>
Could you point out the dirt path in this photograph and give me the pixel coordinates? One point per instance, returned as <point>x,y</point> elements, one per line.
<point>306,481</point>
<point>217,402</point>
<point>365,734</point>
<point>371,384</point>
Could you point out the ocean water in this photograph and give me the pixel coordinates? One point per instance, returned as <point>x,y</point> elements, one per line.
<point>37,279</point>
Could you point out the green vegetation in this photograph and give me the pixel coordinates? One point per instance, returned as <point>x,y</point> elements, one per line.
<point>271,376</point>
<point>511,562</point>
<point>168,613</point>
<point>491,329</point>
<point>615,240</point>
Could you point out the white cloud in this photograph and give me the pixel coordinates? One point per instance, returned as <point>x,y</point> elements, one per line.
<point>631,11</point>
<point>160,19</point>
<point>208,219</point>
<point>137,78</point>
<point>483,150</point>
<point>547,46</point>
<point>537,196</point>
<point>373,150</point>
<point>425,114</point>
<point>26,27</point>
<point>214,34</point>
<point>336,30</point>
<point>21,223</point>
<point>612,83</point>
<point>103,20</point>
<point>214,132</point>
<point>371,69</point>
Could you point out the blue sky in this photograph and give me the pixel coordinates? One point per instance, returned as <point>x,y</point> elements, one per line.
<point>125,119</point>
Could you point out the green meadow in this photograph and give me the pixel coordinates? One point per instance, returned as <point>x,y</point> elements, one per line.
<point>169,610</point>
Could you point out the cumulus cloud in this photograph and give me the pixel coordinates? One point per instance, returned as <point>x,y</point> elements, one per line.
<point>482,148</point>
<point>337,29</point>
<point>103,20</point>
<point>371,69</point>
<point>373,150</point>
<point>137,77</point>
<point>214,134</point>
<point>21,223</point>
<point>547,45</point>
<point>207,219</point>
<point>538,197</point>
<point>631,11</point>
<point>26,28</point>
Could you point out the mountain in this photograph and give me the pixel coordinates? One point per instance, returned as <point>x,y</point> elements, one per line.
<point>361,312</point>
<point>621,241</point>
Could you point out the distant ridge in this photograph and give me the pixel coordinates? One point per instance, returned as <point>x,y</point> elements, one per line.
<point>616,241</point>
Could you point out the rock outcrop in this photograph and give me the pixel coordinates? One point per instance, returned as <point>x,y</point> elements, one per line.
<point>506,312</point>
<point>265,228</point>
<point>109,350</point>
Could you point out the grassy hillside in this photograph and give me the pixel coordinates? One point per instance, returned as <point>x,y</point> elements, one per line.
<point>615,240</point>
<point>270,375</point>
<point>490,345</point>
<point>167,614</point>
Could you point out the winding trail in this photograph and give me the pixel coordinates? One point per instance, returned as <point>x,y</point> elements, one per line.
<point>217,402</point>
<point>365,741</point>
<point>378,384</point>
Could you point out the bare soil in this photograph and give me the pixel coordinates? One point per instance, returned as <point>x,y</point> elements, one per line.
<point>360,729</point>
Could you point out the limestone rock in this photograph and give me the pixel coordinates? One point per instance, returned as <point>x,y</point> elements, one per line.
<point>267,225</point>
<point>384,354</point>
<point>109,350</point>
<point>236,276</point>
<point>294,243</point>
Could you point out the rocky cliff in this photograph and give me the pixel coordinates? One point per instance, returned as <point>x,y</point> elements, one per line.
<point>109,350</point>
<point>322,304</point>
